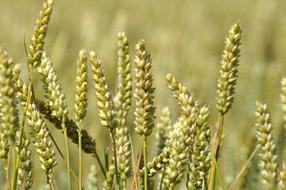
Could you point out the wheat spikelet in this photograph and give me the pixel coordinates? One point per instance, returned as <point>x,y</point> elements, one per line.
<point>267,154</point>
<point>38,38</point>
<point>228,71</point>
<point>144,110</point>
<point>157,164</point>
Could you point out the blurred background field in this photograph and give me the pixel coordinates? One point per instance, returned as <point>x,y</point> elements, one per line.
<point>184,37</point>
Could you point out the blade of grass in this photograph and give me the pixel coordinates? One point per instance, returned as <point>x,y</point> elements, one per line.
<point>218,173</point>
<point>242,170</point>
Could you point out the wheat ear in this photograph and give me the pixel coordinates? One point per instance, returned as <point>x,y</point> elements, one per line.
<point>267,152</point>
<point>81,103</point>
<point>36,46</point>
<point>228,74</point>
<point>122,102</point>
<point>200,154</point>
<point>56,99</point>
<point>144,98</point>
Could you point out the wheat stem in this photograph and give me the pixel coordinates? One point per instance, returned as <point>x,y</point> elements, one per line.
<point>215,152</point>
<point>112,133</point>
<point>67,153</point>
<point>145,164</point>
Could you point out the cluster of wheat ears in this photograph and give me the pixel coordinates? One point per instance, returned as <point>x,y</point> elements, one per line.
<point>185,147</point>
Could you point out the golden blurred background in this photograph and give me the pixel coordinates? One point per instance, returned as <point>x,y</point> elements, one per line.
<point>185,37</point>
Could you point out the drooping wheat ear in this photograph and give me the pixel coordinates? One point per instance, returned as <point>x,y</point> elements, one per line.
<point>124,71</point>
<point>122,102</point>
<point>53,90</point>
<point>200,152</point>
<point>178,158</point>
<point>157,164</point>
<point>41,141</point>
<point>88,143</point>
<point>162,128</point>
<point>81,88</point>
<point>267,154</point>
<point>104,103</point>
<point>25,176</point>
<point>92,180</point>
<point>8,104</point>
<point>188,107</point>
<point>283,99</point>
<point>228,71</point>
<point>38,38</point>
<point>108,182</point>
<point>144,91</point>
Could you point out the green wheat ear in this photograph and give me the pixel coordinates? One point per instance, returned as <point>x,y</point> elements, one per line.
<point>53,90</point>
<point>104,103</point>
<point>81,88</point>
<point>8,104</point>
<point>228,71</point>
<point>181,137</point>
<point>267,154</point>
<point>42,142</point>
<point>144,91</point>
<point>38,38</point>
<point>122,102</point>
<point>200,154</point>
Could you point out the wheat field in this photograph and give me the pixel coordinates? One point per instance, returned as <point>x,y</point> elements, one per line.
<point>164,94</point>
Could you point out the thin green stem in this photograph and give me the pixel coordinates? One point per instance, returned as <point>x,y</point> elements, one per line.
<point>145,164</point>
<point>17,157</point>
<point>216,148</point>
<point>8,169</point>
<point>79,158</point>
<point>15,167</point>
<point>115,159</point>
<point>67,152</point>
<point>100,163</point>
